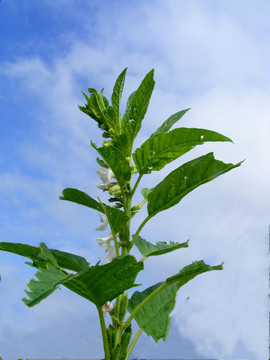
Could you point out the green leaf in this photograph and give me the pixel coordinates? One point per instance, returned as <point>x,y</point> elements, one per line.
<point>81,198</point>
<point>185,179</point>
<point>138,107</point>
<point>104,283</point>
<point>48,254</point>
<point>161,149</point>
<point>116,161</point>
<point>118,218</point>
<point>36,254</point>
<point>161,247</point>
<point>102,163</point>
<point>125,340</point>
<point>145,192</point>
<point>48,281</point>
<point>159,300</point>
<point>190,271</point>
<point>126,116</point>
<point>117,93</point>
<point>165,127</point>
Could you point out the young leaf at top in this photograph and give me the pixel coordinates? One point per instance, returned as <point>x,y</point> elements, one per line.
<point>183,180</point>
<point>117,94</point>
<point>161,149</point>
<point>136,110</point>
<point>165,127</point>
<point>161,247</point>
<point>154,317</point>
<point>119,218</point>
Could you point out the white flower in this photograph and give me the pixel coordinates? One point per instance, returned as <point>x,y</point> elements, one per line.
<point>111,255</point>
<point>105,242</point>
<point>103,218</point>
<point>106,176</point>
<point>108,306</point>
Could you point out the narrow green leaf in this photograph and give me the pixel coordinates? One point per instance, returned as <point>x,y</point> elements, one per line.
<point>116,161</point>
<point>185,179</point>
<point>161,247</point>
<point>81,198</point>
<point>101,163</point>
<point>165,127</point>
<point>138,106</point>
<point>104,283</point>
<point>126,116</point>
<point>161,149</point>
<point>65,260</point>
<point>47,282</point>
<point>117,93</point>
<point>154,316</point>
<point>125,340</point>
<point>119,218</point>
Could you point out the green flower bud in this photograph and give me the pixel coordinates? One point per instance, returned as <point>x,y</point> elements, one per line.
<point>115,190</point>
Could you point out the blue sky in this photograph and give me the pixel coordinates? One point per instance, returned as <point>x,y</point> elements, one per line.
<point>212,56</point>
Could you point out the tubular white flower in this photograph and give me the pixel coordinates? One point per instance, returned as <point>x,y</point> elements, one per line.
<point>106,176</point>
<point>107,307</point>
<point>103,218</point>
<point>105,242</point>
<point>111,255</point>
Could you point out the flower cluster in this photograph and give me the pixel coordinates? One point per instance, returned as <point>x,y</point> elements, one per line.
<point>106,175</point>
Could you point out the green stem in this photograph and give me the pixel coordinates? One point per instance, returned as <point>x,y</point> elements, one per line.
<point>138,231</point>
<point>133,342</point>
<point>104,334</point>
<point>142,304</point>
<point>136,184</point>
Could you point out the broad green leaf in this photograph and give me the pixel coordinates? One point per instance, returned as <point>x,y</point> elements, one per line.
<point>47,282</point>
<point>116,161</point>
<point>65,260</point>
<point>190,271</point>
<point>104,283</point>
<point>165,127</point>
<point>118,218</point>
<point>161,149</point>
<point>154,317</point>
<point>161,247</point>
<point>117,93</point>
<point>185,179</point>
<point>138,107</point>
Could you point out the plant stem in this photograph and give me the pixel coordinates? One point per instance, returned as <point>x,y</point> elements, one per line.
<point>136,184</point>
<point>133,342</point>
<point>138,231</point>
<point>104,333</point>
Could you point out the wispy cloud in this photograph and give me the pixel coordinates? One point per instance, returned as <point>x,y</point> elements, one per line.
<point>209,58</point>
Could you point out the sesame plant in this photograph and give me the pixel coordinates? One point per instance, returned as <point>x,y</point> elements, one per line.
<point>121,169</point>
